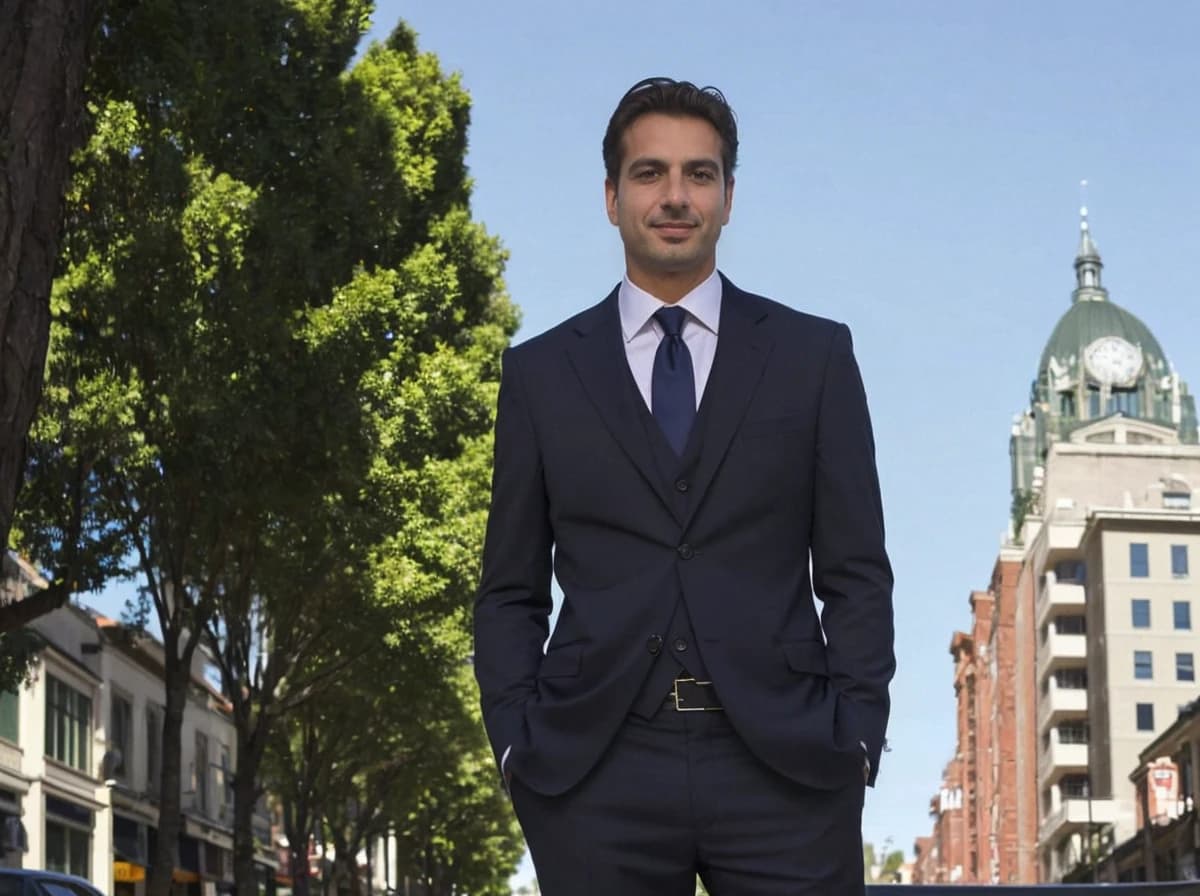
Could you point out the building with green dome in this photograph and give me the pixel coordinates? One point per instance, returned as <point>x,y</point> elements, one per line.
<point>1104,464</point>
<point>1085,642</point>
<point>1102,369</point>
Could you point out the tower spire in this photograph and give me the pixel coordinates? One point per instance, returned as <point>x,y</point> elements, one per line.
<point>1087,261</point>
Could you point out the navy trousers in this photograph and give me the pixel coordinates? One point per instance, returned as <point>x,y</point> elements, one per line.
<point>679,795</point>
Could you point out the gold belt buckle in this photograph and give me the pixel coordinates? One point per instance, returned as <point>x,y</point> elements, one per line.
<point>680,707</point>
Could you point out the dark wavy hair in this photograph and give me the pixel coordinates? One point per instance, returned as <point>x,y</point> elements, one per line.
<point>670,97</point>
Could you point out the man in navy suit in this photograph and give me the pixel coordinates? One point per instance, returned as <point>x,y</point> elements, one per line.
<point>693,462</point>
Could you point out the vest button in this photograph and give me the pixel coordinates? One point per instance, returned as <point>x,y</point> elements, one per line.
<point>680,645</point>
<point>681,485</point>
<point>654,645</point>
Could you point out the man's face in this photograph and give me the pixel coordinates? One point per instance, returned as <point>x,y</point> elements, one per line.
<point>670,202</point>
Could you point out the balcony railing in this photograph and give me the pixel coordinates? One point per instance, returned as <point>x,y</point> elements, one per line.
<point>1058,703</point>
<point>1076,815</point>
<point>1057,650</point>
<point>1060,759</point>
<point>1059,596</point>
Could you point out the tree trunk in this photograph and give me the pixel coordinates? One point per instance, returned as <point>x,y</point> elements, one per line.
<point>296,826</point>
<point>170,818</point>
<point>43,60</point>
<point>245,797</point>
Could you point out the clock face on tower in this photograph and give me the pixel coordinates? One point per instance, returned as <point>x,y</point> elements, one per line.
<point>1113,361</point>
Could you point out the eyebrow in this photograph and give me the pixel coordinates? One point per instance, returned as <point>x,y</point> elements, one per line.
<point>690,165</point>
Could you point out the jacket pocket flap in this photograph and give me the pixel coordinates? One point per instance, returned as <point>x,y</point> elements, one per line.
<point>806,656</point>
<point>562,663</point>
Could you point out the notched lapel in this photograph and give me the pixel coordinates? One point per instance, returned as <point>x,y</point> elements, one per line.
<point>743,347</point>
<point>598,357</point>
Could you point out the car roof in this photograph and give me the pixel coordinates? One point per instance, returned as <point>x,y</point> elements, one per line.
<point>45,875</point>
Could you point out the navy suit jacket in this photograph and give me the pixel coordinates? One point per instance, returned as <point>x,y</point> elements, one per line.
<point>786,472</point>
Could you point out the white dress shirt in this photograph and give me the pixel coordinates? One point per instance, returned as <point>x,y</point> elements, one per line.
<point>642,332</point>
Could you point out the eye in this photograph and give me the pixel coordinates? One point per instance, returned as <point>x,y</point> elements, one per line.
<point>645,174</point>
<point>704,175</point>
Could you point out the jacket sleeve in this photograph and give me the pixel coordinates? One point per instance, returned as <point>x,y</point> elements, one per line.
<point>512,608</point>
<point>851,572</point>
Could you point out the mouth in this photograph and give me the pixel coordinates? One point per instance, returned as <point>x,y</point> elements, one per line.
<point>675,229</point>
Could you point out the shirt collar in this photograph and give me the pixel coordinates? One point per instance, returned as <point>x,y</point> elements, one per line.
<point>637,306</point>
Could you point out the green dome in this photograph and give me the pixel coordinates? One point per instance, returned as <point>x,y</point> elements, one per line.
<point>1088,320</point>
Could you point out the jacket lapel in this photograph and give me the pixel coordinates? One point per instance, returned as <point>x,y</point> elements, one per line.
<point>598,356</point>
<point>742,351</point>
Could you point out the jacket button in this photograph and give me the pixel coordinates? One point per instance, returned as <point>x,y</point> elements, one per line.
<point>681,485</point>
<point>654,645</point>
<point>680,645</point>
<point>686,551</point>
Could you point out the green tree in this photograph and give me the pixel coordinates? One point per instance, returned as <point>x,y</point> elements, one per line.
<point>398,745</point>
<point>274,313</point>
<point>881,870</point>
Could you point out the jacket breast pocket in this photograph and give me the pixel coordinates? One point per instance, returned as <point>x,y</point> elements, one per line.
<point>775,426</point>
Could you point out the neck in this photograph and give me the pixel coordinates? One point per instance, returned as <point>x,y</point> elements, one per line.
<point>668,286</point>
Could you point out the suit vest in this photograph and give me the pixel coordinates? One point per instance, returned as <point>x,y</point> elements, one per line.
<point>680,653</point>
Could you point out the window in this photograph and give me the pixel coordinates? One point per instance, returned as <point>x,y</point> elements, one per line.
<point>1074,786</point>
<point>1066,405</point>
<point>154,728</point>
<point>1141,612</point>
<point>1071,679</point>
<point>1139,560</point>
<point>10,718</point>
<point>1093,402</point>
<point>120,736</point>
<point>1185,668</point>
<point>68,724</point>
<point>1143,664</point>
<point>67,849</point>
<point>1069,572</point>
<point>1179,561</point>
<point>1178,500</point>
<point>1145,717</point>
<point>1183,615</point>
<point>1125,401</point>
<point>225,780</point>
<point>200,778</point>
<point>1070,625</point>
<point>1073,733</point>
<point>68,837</point>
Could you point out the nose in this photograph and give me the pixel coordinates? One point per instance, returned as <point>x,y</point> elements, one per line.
<point>675,194</point>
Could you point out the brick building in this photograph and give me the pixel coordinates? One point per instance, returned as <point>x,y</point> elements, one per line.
<point>987,833</point>
<point>941,858</point>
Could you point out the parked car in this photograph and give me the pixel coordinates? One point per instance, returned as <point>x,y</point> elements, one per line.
<point>31,882</point>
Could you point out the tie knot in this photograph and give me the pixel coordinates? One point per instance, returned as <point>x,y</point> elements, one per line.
<point>671,319</point>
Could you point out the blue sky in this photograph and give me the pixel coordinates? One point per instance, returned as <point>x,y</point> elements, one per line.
<point>911,168</point>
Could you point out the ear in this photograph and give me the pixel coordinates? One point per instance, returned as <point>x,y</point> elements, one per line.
<point>610,199</point>
<point>728,200</point>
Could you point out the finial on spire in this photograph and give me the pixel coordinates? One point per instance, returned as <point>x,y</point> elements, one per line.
<point>1087,261</point>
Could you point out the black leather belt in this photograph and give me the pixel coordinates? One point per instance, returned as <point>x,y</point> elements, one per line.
<point>689,695</point>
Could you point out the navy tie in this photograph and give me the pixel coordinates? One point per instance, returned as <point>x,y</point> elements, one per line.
<point>673,385</point>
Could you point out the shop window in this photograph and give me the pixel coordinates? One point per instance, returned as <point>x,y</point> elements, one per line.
<point>68,724</point>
